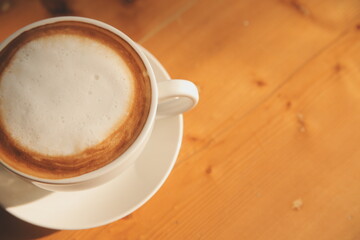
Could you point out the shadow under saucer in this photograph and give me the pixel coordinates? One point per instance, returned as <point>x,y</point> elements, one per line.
<point>14,228</point>
<point>15,191</point>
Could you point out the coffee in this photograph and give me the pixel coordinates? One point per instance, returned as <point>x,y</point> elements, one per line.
<point>73,98</point>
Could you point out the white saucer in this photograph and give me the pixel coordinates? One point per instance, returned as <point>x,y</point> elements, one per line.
<point>109,202</point>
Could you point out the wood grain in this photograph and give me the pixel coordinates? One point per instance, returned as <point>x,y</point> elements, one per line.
<point>138,19</point>
<point>276,124</point>
<point>239,64</point>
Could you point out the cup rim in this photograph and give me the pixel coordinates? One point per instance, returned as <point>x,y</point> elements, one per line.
<point>146,130</point>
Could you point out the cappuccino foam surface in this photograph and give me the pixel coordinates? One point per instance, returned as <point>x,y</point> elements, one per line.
<point>64,93</point>
<point>58,84</point>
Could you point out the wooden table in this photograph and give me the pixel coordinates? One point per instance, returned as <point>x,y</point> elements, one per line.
<point>272,149</point>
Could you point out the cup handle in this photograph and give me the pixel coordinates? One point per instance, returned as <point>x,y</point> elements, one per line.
<point>176,96</point>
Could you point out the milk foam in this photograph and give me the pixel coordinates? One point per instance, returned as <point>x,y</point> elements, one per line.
<point>62,94</point>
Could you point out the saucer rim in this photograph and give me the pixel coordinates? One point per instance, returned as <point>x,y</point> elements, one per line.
<point>148,196</point>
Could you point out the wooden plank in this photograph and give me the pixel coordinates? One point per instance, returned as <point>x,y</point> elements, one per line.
<point>138,19</point>
<point>276,124</point>
<point>238,55</point>
<point>11,10</point>
<point>300,144</point>
<point>222,196</point>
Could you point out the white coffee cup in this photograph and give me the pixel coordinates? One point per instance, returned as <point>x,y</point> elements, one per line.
<point>168,98</point>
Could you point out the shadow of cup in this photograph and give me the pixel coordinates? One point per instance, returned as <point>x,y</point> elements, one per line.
<point>15,191</point>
